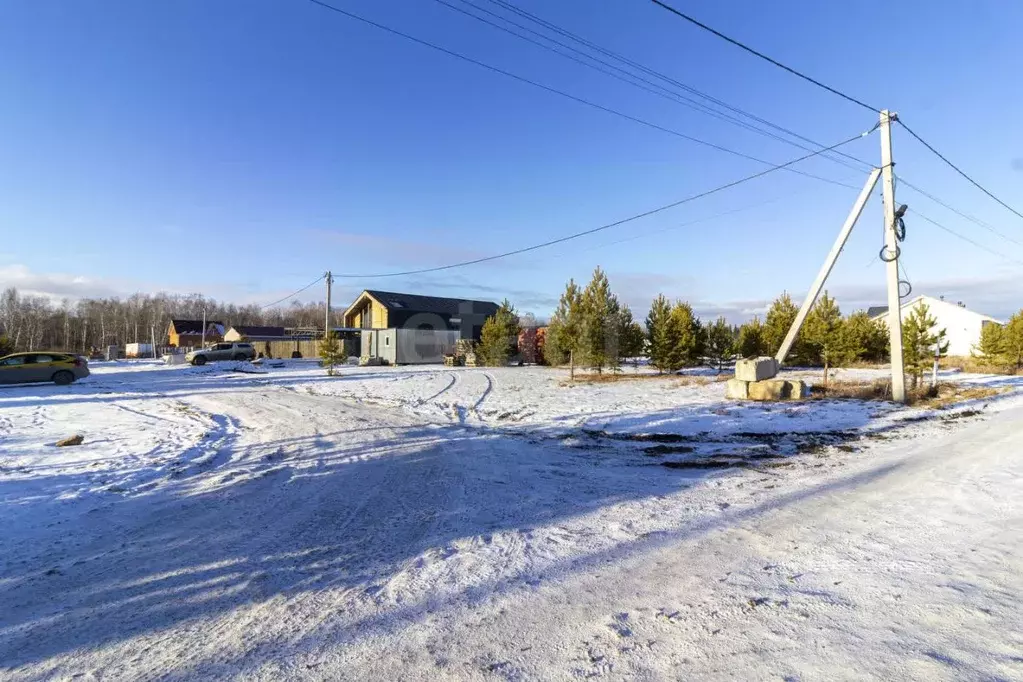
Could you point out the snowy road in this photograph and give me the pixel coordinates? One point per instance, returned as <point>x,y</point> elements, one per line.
<point>392,525</point>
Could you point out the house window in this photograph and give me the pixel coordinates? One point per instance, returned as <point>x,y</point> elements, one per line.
<point>387,340</point>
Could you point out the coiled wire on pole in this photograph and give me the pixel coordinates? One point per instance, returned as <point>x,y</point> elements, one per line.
<point>887,256</point>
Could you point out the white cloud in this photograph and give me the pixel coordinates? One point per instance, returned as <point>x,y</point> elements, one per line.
<point>999,295</point>
<point>55,285</point>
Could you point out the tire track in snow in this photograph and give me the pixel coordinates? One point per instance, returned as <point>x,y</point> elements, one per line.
<point>213,451</point>
<point>486,393</point>
<point>451,384</point>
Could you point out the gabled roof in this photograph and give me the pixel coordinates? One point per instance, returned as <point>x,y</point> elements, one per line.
<point>195,326</point>
<point>251,330</point>
<point>429,304</point>
<point>933,303</point>
<point>876,310</point>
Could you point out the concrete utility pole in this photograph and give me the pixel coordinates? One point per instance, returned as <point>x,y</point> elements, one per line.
<point>203,342</point>
<point>892,256</point>
<point>326,324</point>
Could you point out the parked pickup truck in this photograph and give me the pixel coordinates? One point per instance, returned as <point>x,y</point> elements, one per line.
<point>222,351</point>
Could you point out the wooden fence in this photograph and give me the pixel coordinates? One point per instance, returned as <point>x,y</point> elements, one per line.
<point>309,348</point>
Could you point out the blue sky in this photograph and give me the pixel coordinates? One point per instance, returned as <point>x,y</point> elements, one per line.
<point>240,148</point>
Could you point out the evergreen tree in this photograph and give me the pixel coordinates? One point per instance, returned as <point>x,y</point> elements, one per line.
<point>825,340</point>
<point>751,343</point>
<point>868,337</point>
<point>630,335</point>
<point>562,336</point>
<point>657,332</point>
<point>993,347</point>
<point>6,345</point>
<point>499,336</point>
<point>920,341</point>
<point>685,337</point>
<point>780,317</point>
<point>1013,338</point>
<point>332,352</point>
<point>721,343</point>
<point>599,334</point>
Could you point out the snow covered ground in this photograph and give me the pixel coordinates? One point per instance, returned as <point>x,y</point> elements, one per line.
<point>437,523</point>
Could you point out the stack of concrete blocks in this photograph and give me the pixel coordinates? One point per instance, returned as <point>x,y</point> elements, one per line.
<point>755,380</point>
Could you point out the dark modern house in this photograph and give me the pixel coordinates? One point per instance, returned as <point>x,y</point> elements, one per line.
<point>389,310</point>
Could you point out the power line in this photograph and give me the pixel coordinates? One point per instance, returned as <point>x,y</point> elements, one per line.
<point>614,224</point>
<point>967,216</point>
<point>629,77</point>
<point>661,76</point>
<point>655,89</point>
<point>688,223</point>
<point>957,169</point>
<point>562,93</point>
<point>294,293</point>
<point>964,237</point>
<point>763,56</point>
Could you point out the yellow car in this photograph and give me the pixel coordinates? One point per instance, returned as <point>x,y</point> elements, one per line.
<point>27,368</point>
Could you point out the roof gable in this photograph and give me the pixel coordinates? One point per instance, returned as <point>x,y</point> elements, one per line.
<point>431,304</point>
<point>195,326</point>
<point>252,330</point>
<point>933,303</point>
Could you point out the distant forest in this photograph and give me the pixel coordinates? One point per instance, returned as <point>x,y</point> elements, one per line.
<point>36,322</point>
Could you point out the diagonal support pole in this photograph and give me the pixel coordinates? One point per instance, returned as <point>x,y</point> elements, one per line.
<point>829,263</point>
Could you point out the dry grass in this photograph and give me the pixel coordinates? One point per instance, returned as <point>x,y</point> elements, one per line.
<point>675,379</point>
<point>963,363</point>
<point>946,394</point>
<point>973,365</point>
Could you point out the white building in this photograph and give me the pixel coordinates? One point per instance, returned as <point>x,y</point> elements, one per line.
<point>962,326</point>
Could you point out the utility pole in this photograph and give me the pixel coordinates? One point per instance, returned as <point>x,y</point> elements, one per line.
<point>891,241</point>
<point>203,342</point>
<point>326,324</point>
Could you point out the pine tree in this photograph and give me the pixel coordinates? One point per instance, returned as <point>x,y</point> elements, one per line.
<point>6,345</point>
<point>685,338</point>
<point>332,352</point>
<point>657,332</point>
<point>920,342</point>
<point>992,348</point>
<point>630,335</point>
<point>780,317</point>
<point>1014,342</point>
<point>868,337</point>
<point>561,339</point>
<point>499,336</point>
<point>721,343</point>
<point>825,341</point>
<point>599,334</point>
<point>751,343</point>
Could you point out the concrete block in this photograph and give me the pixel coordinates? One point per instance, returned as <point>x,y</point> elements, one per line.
<point>799,390</point>
<point>756,369</point>
<point>777,389</point>
<point>737,389</point>
<point>769,389</point>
